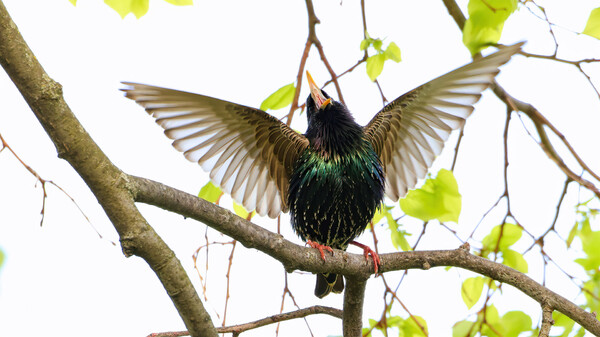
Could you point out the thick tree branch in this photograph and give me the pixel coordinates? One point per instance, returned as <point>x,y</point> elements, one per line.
<point>292,256</point>
<point>463,259</point>
<point>106,181</point>
<point>353,266</point>
<point>354,299</point>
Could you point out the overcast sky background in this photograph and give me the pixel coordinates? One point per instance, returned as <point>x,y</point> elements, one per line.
<point>62,280</point>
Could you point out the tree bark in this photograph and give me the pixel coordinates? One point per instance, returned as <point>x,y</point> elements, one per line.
<point>107,182</point>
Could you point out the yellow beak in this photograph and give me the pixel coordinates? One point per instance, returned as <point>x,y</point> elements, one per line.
<point>316,93</point>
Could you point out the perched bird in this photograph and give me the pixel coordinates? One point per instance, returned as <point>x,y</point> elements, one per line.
<point>333,178</point>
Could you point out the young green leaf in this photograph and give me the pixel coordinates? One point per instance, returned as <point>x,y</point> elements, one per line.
<point>485,23</point>
<point>592,27</point>
<point>364,44</point>
<point>74,2</point>
<point>465,329</point>
<point>437,199</point>
<point>572,233</point>
<point>515,260</point>
<point>180,2</point>
<point>511,233</point>
<point>138,7</point>
<point>375,65</point>
<point>381,213</point>
<point>591,246</point>
<point>560,320</point>
<point>491,314</point>
<point>513,323</point>
<point>210,192</point>
<point>393,52</point>
<point>471,290</point>
<point>1,257</point>
<point>398,236</point>
<point>280,98</point>
<point>410,327</point>
<point>242,212</point>
<point>377,44</point>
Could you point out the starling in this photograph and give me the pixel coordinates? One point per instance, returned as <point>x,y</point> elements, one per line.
<point>333,178</point>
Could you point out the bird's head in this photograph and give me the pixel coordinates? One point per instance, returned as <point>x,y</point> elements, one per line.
<point>331,128</point>
<point>318,100</point>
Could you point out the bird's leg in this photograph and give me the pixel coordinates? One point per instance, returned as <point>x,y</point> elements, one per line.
<point>368,251</point>
<point>320,247</point>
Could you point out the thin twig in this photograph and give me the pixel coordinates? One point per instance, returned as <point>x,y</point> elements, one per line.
<point>43,183</point>
<point>237,329</point>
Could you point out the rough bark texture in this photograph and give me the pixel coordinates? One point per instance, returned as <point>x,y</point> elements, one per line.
<point>107,182</point>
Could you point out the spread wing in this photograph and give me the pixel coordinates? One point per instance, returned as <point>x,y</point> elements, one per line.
<point>248,153</point>
<point>410,131</point>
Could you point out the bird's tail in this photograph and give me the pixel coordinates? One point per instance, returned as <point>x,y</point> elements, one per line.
<point>327,283</point>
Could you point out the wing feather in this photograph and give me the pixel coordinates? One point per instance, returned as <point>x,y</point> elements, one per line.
<point>410,131</point>
<point>247,152</point>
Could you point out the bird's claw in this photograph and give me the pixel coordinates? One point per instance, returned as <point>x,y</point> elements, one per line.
<point>368,251</point>
<point>320,247</point>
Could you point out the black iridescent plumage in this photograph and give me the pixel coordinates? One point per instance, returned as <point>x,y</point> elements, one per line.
<point>337,184</point>
<point>332,178</point>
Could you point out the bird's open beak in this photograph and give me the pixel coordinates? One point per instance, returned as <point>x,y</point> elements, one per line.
<point>316,93</point>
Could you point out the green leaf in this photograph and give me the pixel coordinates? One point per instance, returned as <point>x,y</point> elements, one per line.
<point>513,323</point>
<point>2,257</point>
<point>398,236</point>
<point>591,246</point>
<point>138,7</point>
<point>560,320</point>
<point>393,52</point>
<point>180,2</point>
<point>491,314</point>
<point>515,260</point>
<point>364,44</point>
<point>375,65</point>
<point>511,233</point>
<point>381,213</point>
<point>437,199</point>
<point>280,98</point>
<point>411,328</point>
<point>465,329</point>
<point>210,192</point>
<point>572,233</point>
<point>471,290</point>
<point>74,2</point>
<point>485,23</point>
<point>242,212</point>
<point>377,44</point>
<point>592,27</point>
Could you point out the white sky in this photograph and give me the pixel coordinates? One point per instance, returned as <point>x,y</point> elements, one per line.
<point>61,279</point>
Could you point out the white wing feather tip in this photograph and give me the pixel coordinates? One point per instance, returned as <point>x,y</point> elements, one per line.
<point>428,114</point>
<point>220,137</point>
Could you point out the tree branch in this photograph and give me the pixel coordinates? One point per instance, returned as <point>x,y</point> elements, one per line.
<point>547,321</point>
<point>353,266</point>
<point>354,299</point>
<point>536,117</point>
<point>237,329</point>
<point>107,182</point>
<point>463,259</point>
<point>292,256</point>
